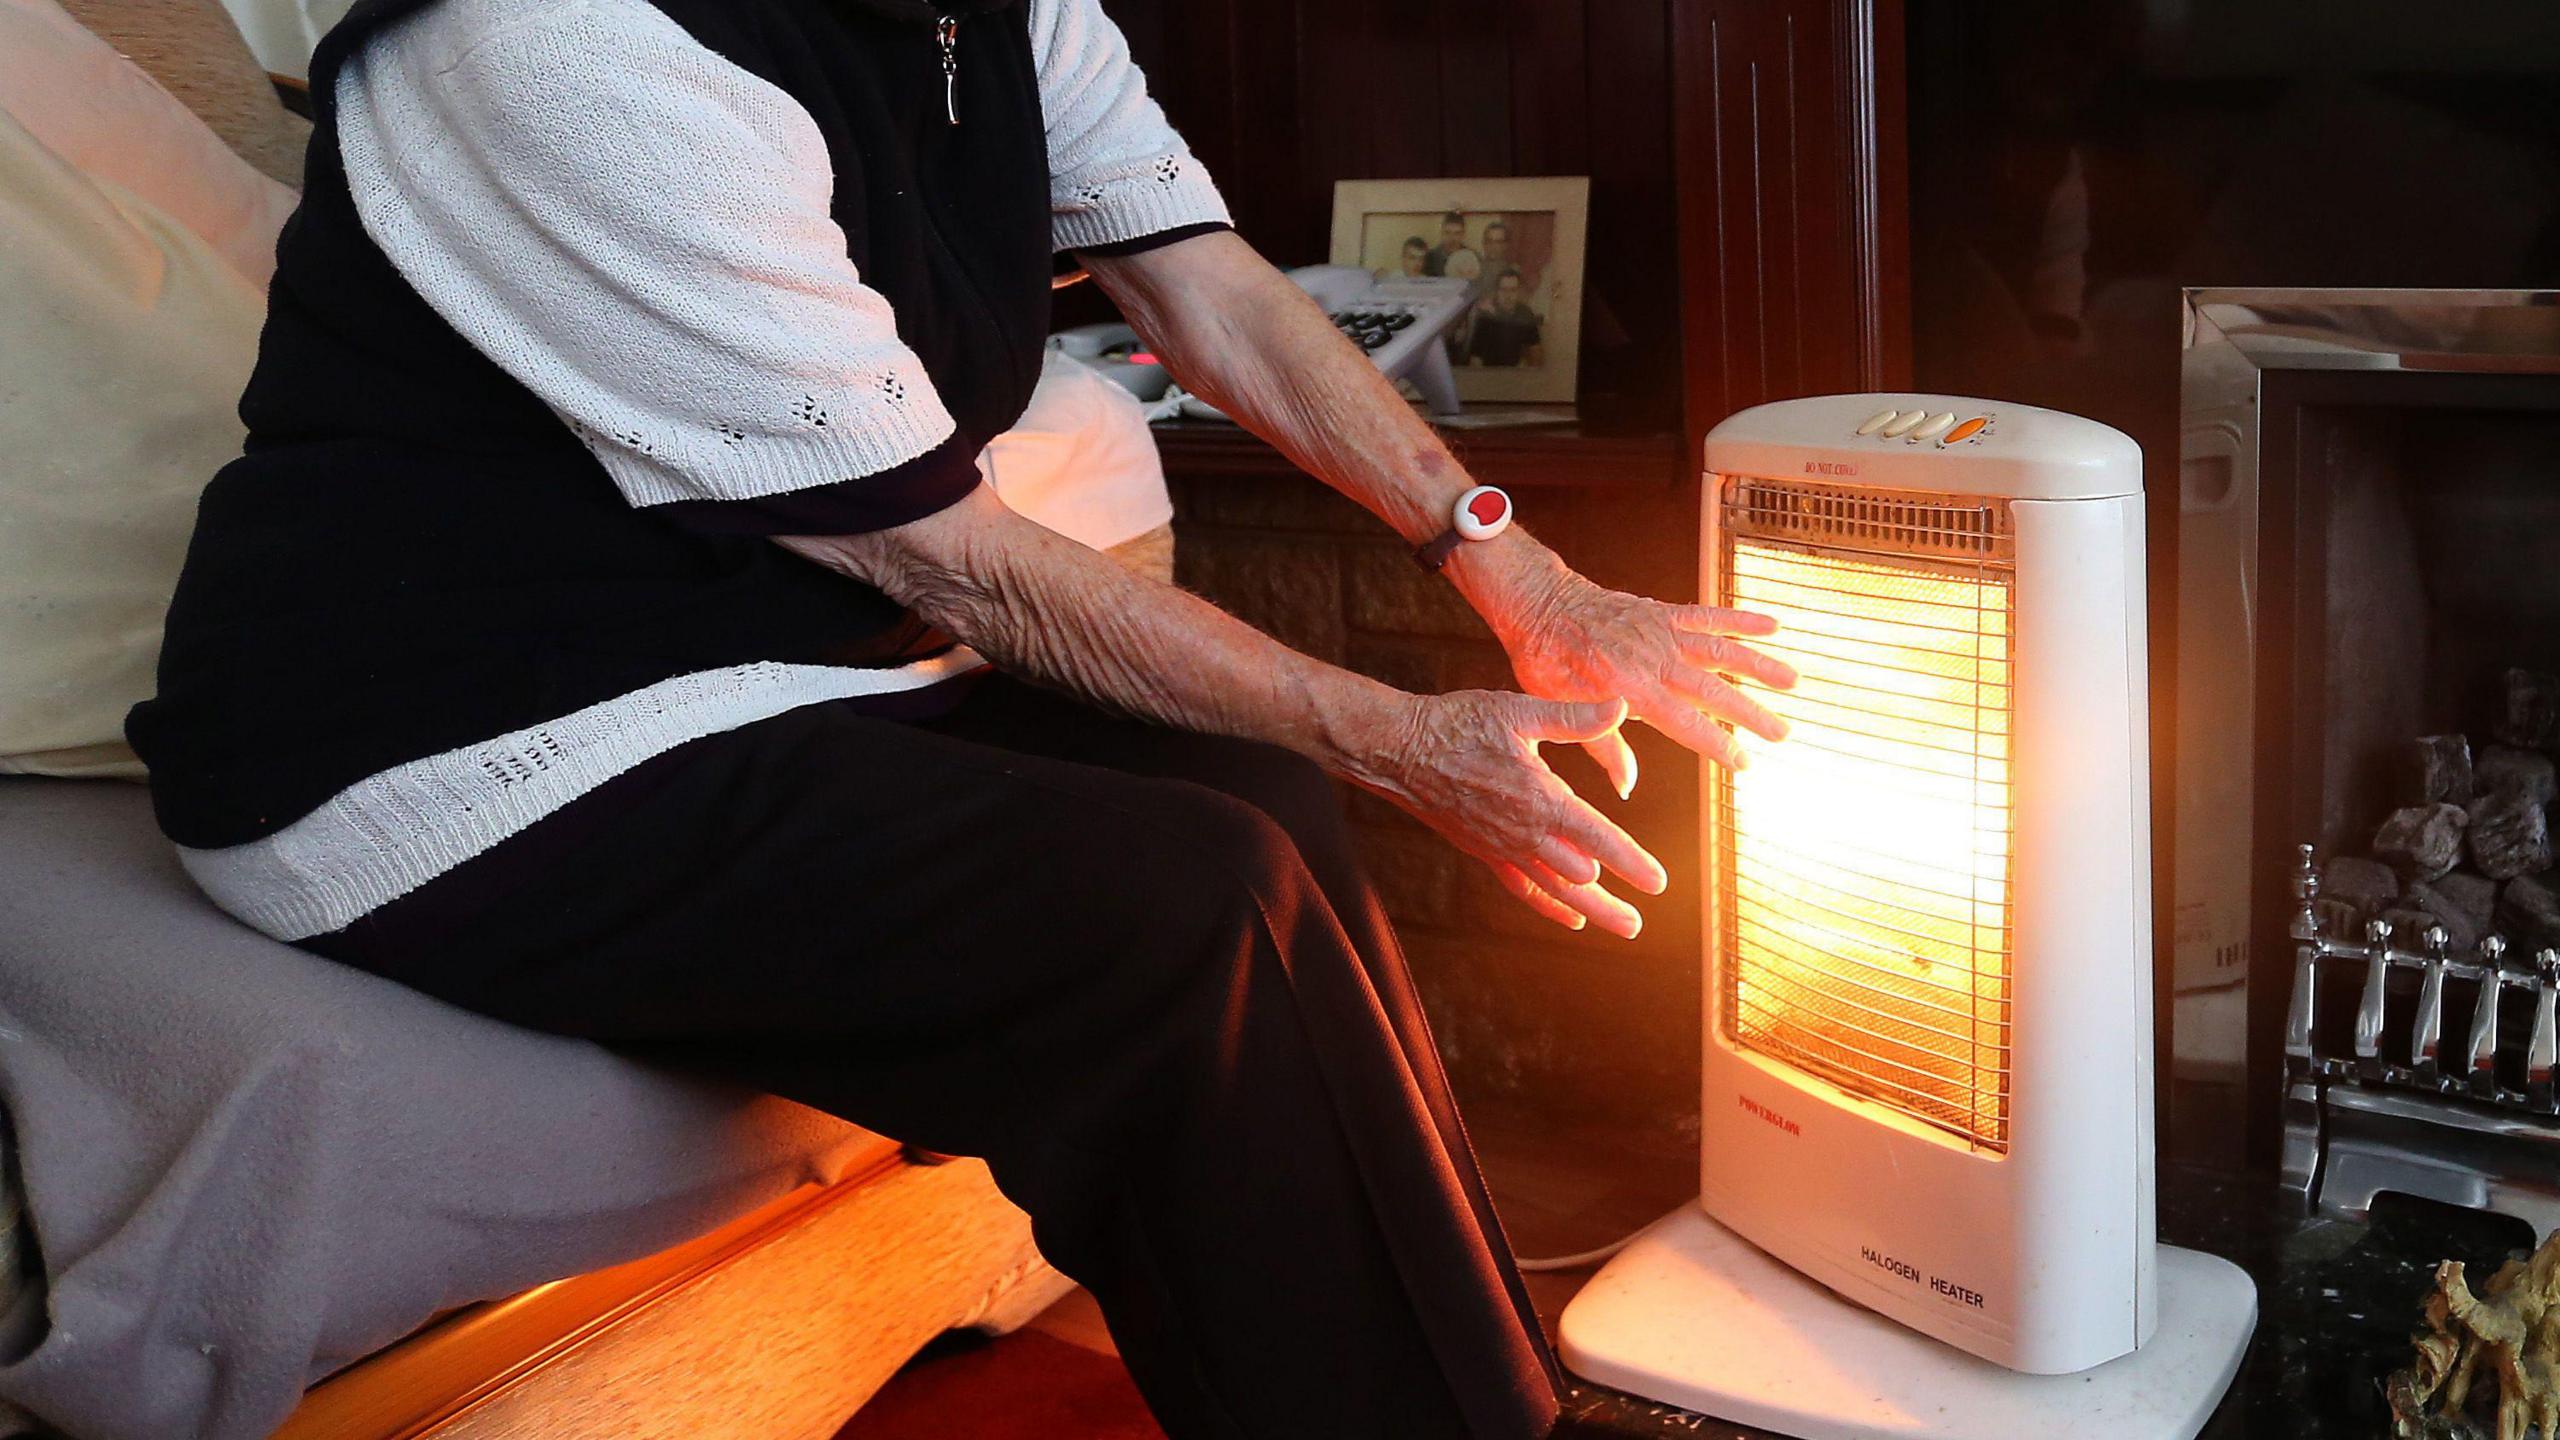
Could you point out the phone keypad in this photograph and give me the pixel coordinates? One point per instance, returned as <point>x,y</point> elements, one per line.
<point>1372,326</point>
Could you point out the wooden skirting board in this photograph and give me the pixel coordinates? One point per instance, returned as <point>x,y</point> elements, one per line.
<point>777,1326</point>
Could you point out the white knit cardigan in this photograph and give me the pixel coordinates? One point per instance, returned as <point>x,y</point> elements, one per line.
<point>639,231</point>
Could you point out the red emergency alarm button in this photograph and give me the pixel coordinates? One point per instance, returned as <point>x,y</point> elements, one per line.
<point>1478,514</point>
<point>1482,513</point>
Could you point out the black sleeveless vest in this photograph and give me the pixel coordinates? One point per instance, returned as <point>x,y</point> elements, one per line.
<point>415,554</point>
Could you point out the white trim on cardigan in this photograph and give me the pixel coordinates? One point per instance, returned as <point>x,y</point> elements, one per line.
<point>390,833</point>
<point>1117,171</point>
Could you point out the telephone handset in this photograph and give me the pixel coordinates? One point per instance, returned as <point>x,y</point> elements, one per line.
<point>1398,321</point>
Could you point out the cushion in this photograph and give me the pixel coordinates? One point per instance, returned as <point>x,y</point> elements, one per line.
<point>125,339</point>
<point>105,118</point>
<point>196,54</point>
<point>1081,460</point>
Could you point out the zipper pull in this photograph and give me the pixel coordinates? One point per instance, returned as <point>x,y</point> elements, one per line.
<point>946,32</point>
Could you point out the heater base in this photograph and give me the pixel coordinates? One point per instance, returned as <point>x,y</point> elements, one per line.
<point>1695,1316</point>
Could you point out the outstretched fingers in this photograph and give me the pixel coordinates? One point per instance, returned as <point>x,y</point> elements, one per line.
<point>1689,726</point>
<point>1617,760</point>
<point>1594,725</point>
<point>1592,839</point>
<point>1725,701</point>
<point>1497,799</point>
<point>1575,722</point>
<point>1579,839</point>
<point>1520,887</point>
<point>1718,655</point>
<point>1594,901</point>
<point>1716,620</point>
<point>1572,906</point>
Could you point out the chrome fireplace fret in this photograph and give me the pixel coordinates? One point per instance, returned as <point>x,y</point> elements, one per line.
<point>2408,1111</point>
<point>2419,1064</point>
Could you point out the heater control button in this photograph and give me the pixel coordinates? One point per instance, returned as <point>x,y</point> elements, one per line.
<point>1966,431</point>
<point>1935,425</point>
<point>1902,427</point>
<point>1878,421</point>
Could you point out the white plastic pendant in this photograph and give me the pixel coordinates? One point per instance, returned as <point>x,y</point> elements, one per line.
<point>1481,513</point>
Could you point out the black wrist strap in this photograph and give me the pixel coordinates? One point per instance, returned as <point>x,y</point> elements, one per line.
<point>1435,552</point>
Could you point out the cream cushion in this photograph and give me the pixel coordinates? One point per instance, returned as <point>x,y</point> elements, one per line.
<point>132,287</point>
<point>128,339</point>
<point>193,50</point>
<point>108,118</point>
<point>1081,460</point>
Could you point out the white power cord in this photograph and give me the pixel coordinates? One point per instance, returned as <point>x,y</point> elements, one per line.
<point>1576,1262</point>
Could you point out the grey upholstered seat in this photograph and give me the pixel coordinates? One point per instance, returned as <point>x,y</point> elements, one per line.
<point>247,1166</point>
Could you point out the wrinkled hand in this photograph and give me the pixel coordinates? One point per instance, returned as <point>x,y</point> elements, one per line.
<point>1674,665</point>
<point>1467,765</point>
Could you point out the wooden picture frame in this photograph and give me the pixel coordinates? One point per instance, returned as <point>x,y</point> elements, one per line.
<point>1533,227</point>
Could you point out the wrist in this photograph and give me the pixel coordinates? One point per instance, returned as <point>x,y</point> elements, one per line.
<point>1512,580</point>
<point>1358,727</point>
<point>1501,570</point>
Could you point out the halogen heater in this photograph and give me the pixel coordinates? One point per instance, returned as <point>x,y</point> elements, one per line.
<point>1927,1137</point>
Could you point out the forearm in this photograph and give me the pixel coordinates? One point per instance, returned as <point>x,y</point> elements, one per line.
<point>1467,763</point>
<point>1241,335</point>
<point>1053,611</point>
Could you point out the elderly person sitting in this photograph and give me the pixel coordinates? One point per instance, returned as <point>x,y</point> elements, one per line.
<point>580,640</point>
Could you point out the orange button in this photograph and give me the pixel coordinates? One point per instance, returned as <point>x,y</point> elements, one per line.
<point>1967,430</point>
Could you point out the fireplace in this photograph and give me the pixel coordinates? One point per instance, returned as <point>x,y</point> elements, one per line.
<point>2369,565</point>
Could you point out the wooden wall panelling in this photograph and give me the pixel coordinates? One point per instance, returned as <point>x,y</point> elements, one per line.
<point>1631,349</point>
<point>1341,110</point>
<point>1876,103</point>
<point>1745,154</point>
<point>1550,104</point>
<point>1281,98</point>
<point>1791,225</point>
<point>1471,44</point>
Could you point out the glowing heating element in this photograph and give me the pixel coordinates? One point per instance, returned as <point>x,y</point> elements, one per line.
<point>1865,869</point>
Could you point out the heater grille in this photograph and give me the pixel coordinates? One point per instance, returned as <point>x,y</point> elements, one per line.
<point>1864,866</point>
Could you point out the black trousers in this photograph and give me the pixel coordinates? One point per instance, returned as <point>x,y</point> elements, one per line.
<point>1135,968</point>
